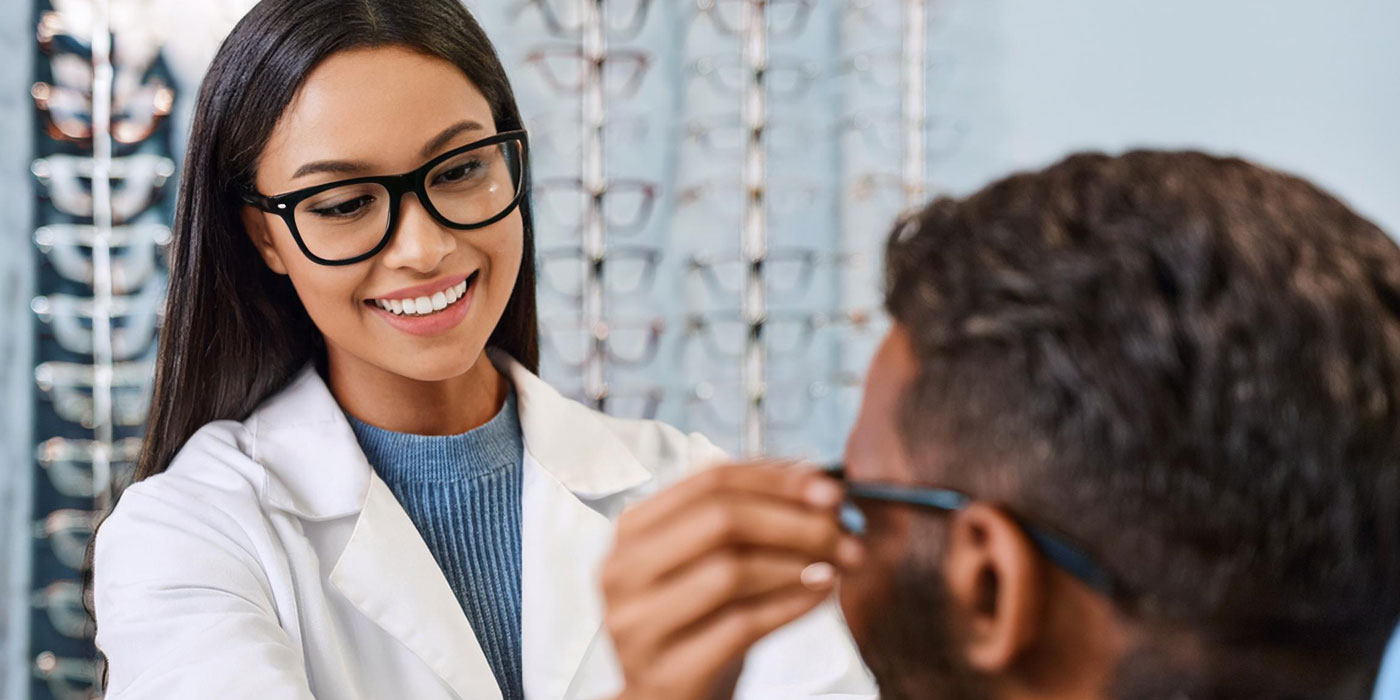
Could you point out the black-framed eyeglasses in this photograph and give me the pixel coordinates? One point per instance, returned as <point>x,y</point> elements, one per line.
<point>347,221</point>
<point>1057,548</point>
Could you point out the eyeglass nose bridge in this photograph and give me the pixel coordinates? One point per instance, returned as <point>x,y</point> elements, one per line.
<point>409,183</point>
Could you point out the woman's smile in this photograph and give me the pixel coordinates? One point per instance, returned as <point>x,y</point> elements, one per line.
<point>427,309</point>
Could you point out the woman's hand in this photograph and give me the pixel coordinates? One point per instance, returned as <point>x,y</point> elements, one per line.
<point>705,569</point>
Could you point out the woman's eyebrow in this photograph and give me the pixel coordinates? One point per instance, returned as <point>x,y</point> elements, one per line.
<point>447,135</point>
<point>349,167</point>
<point>342,167</point>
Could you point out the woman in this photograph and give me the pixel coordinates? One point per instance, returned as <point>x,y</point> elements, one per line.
<point>354,485</point>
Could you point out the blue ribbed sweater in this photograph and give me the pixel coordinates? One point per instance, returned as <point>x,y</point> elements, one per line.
<point>463,494</point>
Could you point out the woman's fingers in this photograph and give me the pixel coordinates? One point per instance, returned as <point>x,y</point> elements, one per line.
<point>704,569</point>
<point>734,521</point>
<point>651,619</point>
<point>770,479</point>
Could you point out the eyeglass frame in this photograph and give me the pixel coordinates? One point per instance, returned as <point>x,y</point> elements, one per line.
<point>1057,548</point>
<point>61,174</point>
<point>798,25</point>
<point>68,532</point>
<point>706,325</point>
<point>649,258</point>
<point>640,60</point>
<point>652,394</point>
<point>284,205</point>
<point>647,189</point>
<point>63,460</point>
<point>62,602</point>
<point>706,266</point>
<point>654,327</point>
<point>68,678</point>
<point>556,27</point>
<point>128,128</point>
<point>805,392</point>
<point>131,269</point>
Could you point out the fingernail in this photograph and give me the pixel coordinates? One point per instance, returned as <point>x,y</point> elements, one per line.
<point>823,493</point>
<point>849,552</point>
<point>818,576</point>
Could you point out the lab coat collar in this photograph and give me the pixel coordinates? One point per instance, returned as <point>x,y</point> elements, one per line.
<point>569,440</point>
<point>316,469</point>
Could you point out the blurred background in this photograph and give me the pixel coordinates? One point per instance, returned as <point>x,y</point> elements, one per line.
<point>694,268</point>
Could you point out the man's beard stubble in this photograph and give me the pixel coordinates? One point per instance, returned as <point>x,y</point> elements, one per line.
<point>911,645</point>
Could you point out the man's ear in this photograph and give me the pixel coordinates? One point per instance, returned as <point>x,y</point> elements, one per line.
<point>255,224</point>
<point>996,580</point>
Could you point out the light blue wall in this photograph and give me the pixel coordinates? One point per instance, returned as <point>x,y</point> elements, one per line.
<point>1311,87</point>
<point>16,355</point>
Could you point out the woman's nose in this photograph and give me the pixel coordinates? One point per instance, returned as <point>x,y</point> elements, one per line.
<point>420,243</point>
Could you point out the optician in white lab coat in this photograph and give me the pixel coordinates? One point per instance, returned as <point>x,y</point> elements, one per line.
<point>270,561</point>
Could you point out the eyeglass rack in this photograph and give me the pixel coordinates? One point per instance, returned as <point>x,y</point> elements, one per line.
<point>102,288</point>
<point>754,235</point>
<point>94,336</point>
<point>594,178</point>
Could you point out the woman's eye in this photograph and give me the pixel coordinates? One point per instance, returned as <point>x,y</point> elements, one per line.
<point>457,173</point>
<point>347,208</point>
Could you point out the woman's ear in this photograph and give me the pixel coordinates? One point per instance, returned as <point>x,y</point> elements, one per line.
<point>997,584</point>
<point>255,224</point>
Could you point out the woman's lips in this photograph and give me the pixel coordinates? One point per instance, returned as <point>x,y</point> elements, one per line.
<point>444,309</point>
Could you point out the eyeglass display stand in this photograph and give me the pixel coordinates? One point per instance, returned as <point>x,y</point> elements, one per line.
<point>594,177</point>
<point>912,96</point>
<point>102,285</point>
<point>102,288</point>
<point>754,235</point>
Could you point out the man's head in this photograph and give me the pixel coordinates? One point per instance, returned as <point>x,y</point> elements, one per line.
<point>1186,366</point>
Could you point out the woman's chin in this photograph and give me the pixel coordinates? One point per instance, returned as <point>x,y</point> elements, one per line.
<point>436,365</point>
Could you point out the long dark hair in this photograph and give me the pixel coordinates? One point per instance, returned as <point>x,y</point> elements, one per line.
<point>235,332</point>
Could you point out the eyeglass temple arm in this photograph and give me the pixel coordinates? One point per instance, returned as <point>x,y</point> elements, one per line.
<point>256,200</point>
<point>1074,562</point>
<point>1068,557</point>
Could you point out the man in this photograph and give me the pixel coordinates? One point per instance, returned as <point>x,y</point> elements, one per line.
<point>1168,386</point>
<point>1135,435</point>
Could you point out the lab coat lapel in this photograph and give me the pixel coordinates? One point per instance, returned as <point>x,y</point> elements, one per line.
<point>388,573</point>
<point>565,542</point>
<point>576,473</point>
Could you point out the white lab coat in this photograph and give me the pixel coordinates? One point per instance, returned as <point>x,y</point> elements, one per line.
<point>270,561</point>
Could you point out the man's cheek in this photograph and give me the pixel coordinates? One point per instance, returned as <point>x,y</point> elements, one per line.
<point>862,592</point>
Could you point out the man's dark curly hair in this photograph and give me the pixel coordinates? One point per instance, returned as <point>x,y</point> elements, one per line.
<point>1190,364</point>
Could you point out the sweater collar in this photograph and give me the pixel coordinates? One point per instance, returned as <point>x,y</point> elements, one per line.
<point>406,457</point>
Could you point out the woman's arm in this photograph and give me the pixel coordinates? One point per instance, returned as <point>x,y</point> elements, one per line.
<point>183,609</point>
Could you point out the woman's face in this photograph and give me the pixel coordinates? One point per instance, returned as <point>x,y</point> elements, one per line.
<point>384,111</point>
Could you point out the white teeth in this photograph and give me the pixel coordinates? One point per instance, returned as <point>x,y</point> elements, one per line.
<point>421,306</point>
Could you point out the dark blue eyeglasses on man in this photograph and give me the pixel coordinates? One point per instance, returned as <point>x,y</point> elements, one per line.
<point>1055,547</point>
